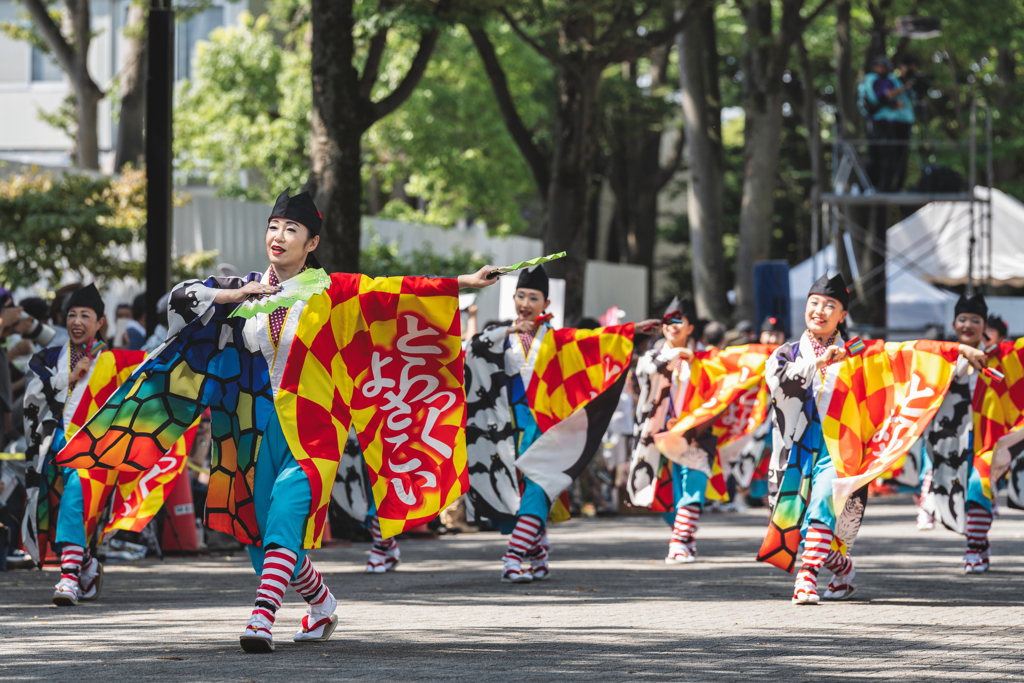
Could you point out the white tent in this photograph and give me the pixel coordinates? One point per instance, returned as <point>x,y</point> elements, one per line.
<point>934,242</point>
<point>912,303</point>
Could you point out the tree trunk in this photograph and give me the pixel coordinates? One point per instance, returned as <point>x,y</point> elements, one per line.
<point>1006,168</point>
<point>846,84</point>
<point>88,119</point>
<point>702,120</point>
<point>130,123</point>
<point>760,169</point>
<point>337,123</point>
<point>570,187</point>
<point>87,93</point>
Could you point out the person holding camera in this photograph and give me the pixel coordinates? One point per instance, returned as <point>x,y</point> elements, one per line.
<point>887,105</point>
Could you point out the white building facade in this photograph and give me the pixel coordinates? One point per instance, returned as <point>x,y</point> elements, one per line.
<point>31,82</point>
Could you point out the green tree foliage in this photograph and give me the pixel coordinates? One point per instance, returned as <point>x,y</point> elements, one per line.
<point>241,123</point>
<point>82,226</point>
<point>381,258</point>
<point>446,154</point>
<point>72,223</point>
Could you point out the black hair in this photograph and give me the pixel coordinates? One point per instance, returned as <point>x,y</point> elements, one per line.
<point>139,306</point>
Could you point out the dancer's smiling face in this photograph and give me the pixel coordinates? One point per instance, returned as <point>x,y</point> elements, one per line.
<point>288,244</point>
<point>83,323</point>
<point>678,333</point>
<point>969,327</point>
<point>530,303</point>
<point>823,314</point>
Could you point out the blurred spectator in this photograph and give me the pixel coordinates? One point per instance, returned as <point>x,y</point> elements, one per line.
<point>888,109</point>
<point>773,331</point>
<point>136,329</point>
<point>11,322</point>
<point>714,334</point>
<point>995,330</point>
<point>159,335</point>
<point>742,334</point>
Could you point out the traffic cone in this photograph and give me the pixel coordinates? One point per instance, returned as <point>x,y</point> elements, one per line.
<point>180,523</point>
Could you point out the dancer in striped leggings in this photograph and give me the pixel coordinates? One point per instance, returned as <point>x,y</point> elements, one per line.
<point>795,373</point>
<point>663,374</point>
<point>271,482</point>
<point>531,393</point>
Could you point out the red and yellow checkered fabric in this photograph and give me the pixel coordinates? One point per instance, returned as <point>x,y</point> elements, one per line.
<point>575,366</point>
<point>385,356</point>
<point>998,406</point>
<point>727,385</point>
<point>880,403</point>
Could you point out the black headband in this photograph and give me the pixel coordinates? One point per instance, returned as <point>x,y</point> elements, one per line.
<point>300,209</point>
<point>834,287</point>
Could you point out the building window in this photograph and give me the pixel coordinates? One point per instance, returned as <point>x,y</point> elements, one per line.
<point>44,69</point>
<point>198,27</point>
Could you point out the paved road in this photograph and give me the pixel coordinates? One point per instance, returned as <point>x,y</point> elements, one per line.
<point>613,611</point>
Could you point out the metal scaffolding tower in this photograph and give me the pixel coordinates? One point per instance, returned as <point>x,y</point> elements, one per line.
<point>851,187</point>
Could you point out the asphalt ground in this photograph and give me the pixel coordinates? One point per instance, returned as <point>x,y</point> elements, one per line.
<point>612,611</point>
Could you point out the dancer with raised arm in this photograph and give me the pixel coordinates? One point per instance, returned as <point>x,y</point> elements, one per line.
<point>539,401</point>
<point>287,360</point>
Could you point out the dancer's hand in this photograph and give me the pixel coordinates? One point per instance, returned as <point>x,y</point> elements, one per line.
<point>479,279</point>
<point>521,327</point>
<point>649,326</point>
<point>81,368</point>
<point>833,354</point>
<point>250,289</point>
<point>976,357</point>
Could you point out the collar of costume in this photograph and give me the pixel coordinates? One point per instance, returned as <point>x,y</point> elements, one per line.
<point>87,297</point>
<point>834,287</point>
<point>534,278</point>
<point>976,304</point>
<point>300,209</point>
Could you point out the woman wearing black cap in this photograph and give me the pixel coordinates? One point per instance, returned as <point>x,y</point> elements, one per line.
<point>664,374</point>
<point>797,373</point>
<point>502,430</point>
<point>948,448</point>
<point>308,366</point>
<point>59,399</point>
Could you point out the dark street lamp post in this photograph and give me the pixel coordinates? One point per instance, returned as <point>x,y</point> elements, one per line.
<point>159,136</point>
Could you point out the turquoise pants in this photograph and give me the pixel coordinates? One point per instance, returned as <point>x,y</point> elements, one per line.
<point>688,488</point>
<point>281,497</point>
<point>71,516</point>
<point>821,506</point>
<point>534,502</point>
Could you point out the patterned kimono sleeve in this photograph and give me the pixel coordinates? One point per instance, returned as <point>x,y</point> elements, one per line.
<point>42,408</point>
<point>787,367</point>
<point>193,299</point>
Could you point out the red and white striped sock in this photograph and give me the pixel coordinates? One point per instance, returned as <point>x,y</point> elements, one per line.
<point>837,563</point>
<point>817,546</point>
<point>72,557</point>
<point>378,537</point>
<point>278,567</point>
<point>524,538</point>
<point>684,529</point>
<point>926,484</point>
<point>979,520</point>
<point>310,584</point>
<point>539,551</point>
